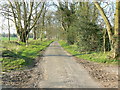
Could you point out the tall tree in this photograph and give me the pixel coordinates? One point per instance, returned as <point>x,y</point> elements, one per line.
<point>113,37</point>
<point>22,13</point>
<point>108,24</point>
<point>66,12</point>
<point>8,26</point>
<point>117,31</point>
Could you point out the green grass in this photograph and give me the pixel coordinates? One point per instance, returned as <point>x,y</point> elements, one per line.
<point>17,56</point>
<point>12,38</point>
<point>93,56</point>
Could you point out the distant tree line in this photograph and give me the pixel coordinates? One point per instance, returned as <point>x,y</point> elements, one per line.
<point>14,35</point>
<point>6,35</point>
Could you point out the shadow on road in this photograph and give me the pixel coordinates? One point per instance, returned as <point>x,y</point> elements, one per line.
<point>66,55</point>
<point>56,55</point>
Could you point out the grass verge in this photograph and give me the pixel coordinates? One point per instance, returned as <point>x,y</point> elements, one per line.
<point>18,56</point>
<point>93,56</point>
<point>11,38</point>
<point>6,38</point>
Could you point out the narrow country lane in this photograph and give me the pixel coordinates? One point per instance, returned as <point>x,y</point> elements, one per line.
<point>61,70</point>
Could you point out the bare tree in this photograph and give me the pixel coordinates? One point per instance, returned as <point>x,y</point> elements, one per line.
<point>23,13</point>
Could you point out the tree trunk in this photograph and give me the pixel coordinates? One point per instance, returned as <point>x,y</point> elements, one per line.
<point>117,31</point>
<point>104,41</point>
<point>41,37</point>
<point>43,25</point>
<point>23,37</point>
<point>8,29</point>
<point>35,28</point>
<point>108,25</point>
<point>35,34</point>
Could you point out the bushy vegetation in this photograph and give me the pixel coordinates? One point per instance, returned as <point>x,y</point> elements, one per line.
<point>82,26</point>
<point>17,56</point>
<point>92,56</point>
<point>81,29</point>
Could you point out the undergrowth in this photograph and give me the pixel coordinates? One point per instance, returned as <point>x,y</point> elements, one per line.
<point>100,57</point>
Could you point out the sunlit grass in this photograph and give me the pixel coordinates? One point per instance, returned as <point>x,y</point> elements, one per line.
<point>6,38</point>
<point>17,55</point>
<point>93,56</point>
<point>11,38</point>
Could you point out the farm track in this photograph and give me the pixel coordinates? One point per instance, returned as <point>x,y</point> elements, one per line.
<point>58,69</point>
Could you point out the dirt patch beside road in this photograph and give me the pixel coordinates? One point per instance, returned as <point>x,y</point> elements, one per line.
<point>107,75</point>
<point>23,79</point>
